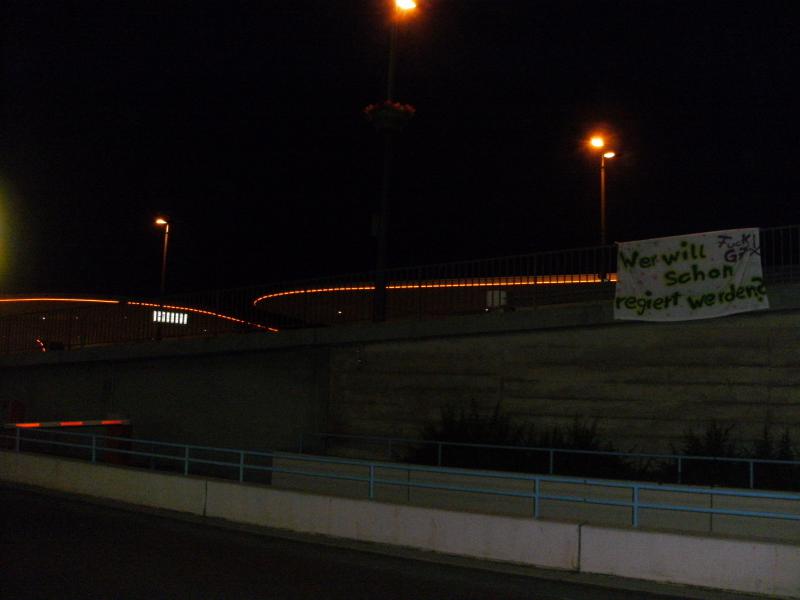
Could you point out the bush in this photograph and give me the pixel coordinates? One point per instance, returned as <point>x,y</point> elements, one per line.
<point>495,428</point>
<point>471,426</point>
<point>771,476</point>
<point>718,441</point>
<point>582,435</point>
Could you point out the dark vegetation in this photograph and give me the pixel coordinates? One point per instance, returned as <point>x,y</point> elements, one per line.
<point>495,428</point>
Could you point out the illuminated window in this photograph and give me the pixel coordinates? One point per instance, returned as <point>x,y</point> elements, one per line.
<point>173,318</point>
<point>496,298</point>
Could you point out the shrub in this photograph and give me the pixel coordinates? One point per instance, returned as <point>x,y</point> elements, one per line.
<point>471,426</point>
<point>775,476</point>
<point>715,440</point>
<point>495,428</point>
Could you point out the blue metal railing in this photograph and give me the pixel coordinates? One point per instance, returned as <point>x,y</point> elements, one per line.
<point>97,449</point>
<point>680,460</point>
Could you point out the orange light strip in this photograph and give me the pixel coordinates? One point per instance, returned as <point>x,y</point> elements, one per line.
<point>44,424</point>
<point>147,304</point>
<point>45,299</point>
<point>200,311</point>
<point>490,282</point>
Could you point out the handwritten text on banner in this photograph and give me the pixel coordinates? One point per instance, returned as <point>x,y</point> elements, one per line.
<point>687,277</point>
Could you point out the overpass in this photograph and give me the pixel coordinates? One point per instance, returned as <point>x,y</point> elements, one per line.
<point>541,343</point>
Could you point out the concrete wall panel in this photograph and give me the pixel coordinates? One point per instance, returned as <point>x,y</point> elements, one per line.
<point>156,490</point>
<point>745,566</point>
<point>540,543</point>
<point>645,384</point>
<point>259,400</point>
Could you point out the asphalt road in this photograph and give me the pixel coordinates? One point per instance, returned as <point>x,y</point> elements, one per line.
<point>59,547</point>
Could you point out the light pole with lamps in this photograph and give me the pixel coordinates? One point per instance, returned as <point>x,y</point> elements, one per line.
<point>162,222</point>
<point>598,142</point>
<point>389,117</point>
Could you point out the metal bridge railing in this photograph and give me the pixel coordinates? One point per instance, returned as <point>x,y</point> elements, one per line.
<point>236,464</point>
<point>468,287</point>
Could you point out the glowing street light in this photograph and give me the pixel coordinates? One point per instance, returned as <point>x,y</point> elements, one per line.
<point>598,142</point>
<point>405,5</point>
<point>162,222</point>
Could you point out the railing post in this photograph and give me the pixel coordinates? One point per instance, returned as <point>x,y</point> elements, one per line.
<point>752,474</point>
<point>636,506</point>
<point>372,482</point>
<point>680,470</point>
<point>16,440</point>
<point>536,484</point>
<point>94,449</point>
<point>552,461</point>
<point>186,460</point>
<point>241,466</point>
<point>439,455</point>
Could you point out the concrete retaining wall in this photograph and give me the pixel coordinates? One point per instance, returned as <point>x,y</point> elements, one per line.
<point>646,384</point>
<point>405,492</point>
<point>259,399</point>
<point>745,566</point>
<point>772,569</point>
<point>540,543</point>
<point>156,490</point>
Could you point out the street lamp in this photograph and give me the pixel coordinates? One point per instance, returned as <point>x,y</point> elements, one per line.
<point>401,8</point>
<point>162,222</point>
<point>389,117</point>
<point>598,142</point>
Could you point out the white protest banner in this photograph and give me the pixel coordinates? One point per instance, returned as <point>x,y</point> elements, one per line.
<point>686,277</point>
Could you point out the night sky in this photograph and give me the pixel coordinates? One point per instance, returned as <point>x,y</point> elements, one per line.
<point>242,121</point>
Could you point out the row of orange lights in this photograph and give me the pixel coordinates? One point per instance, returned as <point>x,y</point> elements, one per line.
<point>501,282</point>
<point>200,311</point>
<point>47,299</point>
<point>66,424</point>
<point>495,282</point>
<point>188,309</point>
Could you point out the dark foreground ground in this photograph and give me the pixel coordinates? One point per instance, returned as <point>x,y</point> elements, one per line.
<point>59,547</point>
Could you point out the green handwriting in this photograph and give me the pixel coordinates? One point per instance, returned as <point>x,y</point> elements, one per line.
<point>686,252</point>
<point>642,304</point>
<point>697,274</point>
<point>741,292</point>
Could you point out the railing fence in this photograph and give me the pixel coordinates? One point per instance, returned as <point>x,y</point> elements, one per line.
<point>186,460</point>
<point>749,471</point>
<point>468,287</point>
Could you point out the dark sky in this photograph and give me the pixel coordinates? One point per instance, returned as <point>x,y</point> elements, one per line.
<point>242,121</point>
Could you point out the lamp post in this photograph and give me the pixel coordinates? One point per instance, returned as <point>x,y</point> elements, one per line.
<point>162,222</point>
<point>598,142</point>
<point>389,118</point>
<point>401,8</point>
